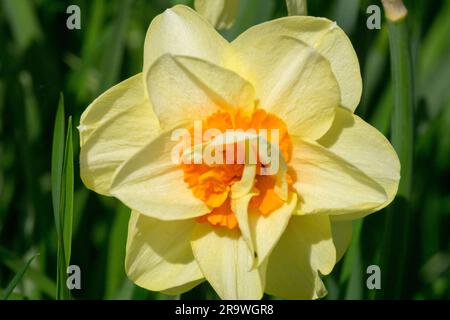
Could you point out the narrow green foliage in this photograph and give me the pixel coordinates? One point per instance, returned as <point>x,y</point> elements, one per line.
<point>34,274</point>
<point>62,195</point>
<point>17,278</point>
<point>57,160</point>
<point>67,212</point>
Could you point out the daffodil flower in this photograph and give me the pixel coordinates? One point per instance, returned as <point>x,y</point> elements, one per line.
<point>244,232</point>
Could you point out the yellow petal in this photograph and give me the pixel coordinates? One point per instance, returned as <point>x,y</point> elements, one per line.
<point>267,230</point>
<point>244,186</point>
<point>328,184</point>
<point>184,89</point>
<point>305,247</point>
<point>220,13</point>
<point>240,209</point>
<point>342,236</point>
<point>182,31</point>
<point>159,256</point>
<point>223,257</point>
<point>261,233</point>
<point>151,183</point>
<point>291,79</point>
<point>360,144</point>
<point>183,288</point>
<point>241,194</point>
<point>112,129</point>
<point>320,290</point>
<point>324,36</point>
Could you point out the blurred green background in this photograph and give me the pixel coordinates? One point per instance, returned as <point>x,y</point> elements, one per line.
<point>40,57</point>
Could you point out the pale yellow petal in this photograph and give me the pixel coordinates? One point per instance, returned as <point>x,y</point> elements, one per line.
<point>320,289</point>
<point>114,127</point>
<point>223,257</point>
<point>220,13</point>
<point>328,184</point>
<point>159,256</point>
<point>267,230</point>
<point>240,209</point>
<point>342,236</point>
<point>182,31</point>
<point>360,144</point>
<point>261,233</point>
<point>244,186</point>
<point>152,183</point>
<point>305,248</point>
<point>324,36</point>
<point>184,89</point>
<point>183,288</point>
<point>291,79</point>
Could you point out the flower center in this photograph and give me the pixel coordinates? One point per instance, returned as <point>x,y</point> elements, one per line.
<point>212,182</point>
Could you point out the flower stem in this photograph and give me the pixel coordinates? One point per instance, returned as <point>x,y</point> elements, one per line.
<point>398,218</point>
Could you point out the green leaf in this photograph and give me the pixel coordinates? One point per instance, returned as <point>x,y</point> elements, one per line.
<point>39,279</point>
<point>62,196</point>
<point>57,161</point>
<point>17,278</point>
<point>67,213</point>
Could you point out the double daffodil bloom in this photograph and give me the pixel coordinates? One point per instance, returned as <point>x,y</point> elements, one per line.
<point>244,232</point>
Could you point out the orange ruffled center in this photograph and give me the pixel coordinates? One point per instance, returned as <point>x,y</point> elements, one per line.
<point>212,182</point>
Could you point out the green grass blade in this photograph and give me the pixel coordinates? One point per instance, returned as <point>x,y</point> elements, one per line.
<point>58,153</point>
<point>68,193</point>
<point>58,160</point>
<point>34,274</point>
<point>65,217</point>
<point>62,197</point>
<point>17,278</point>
